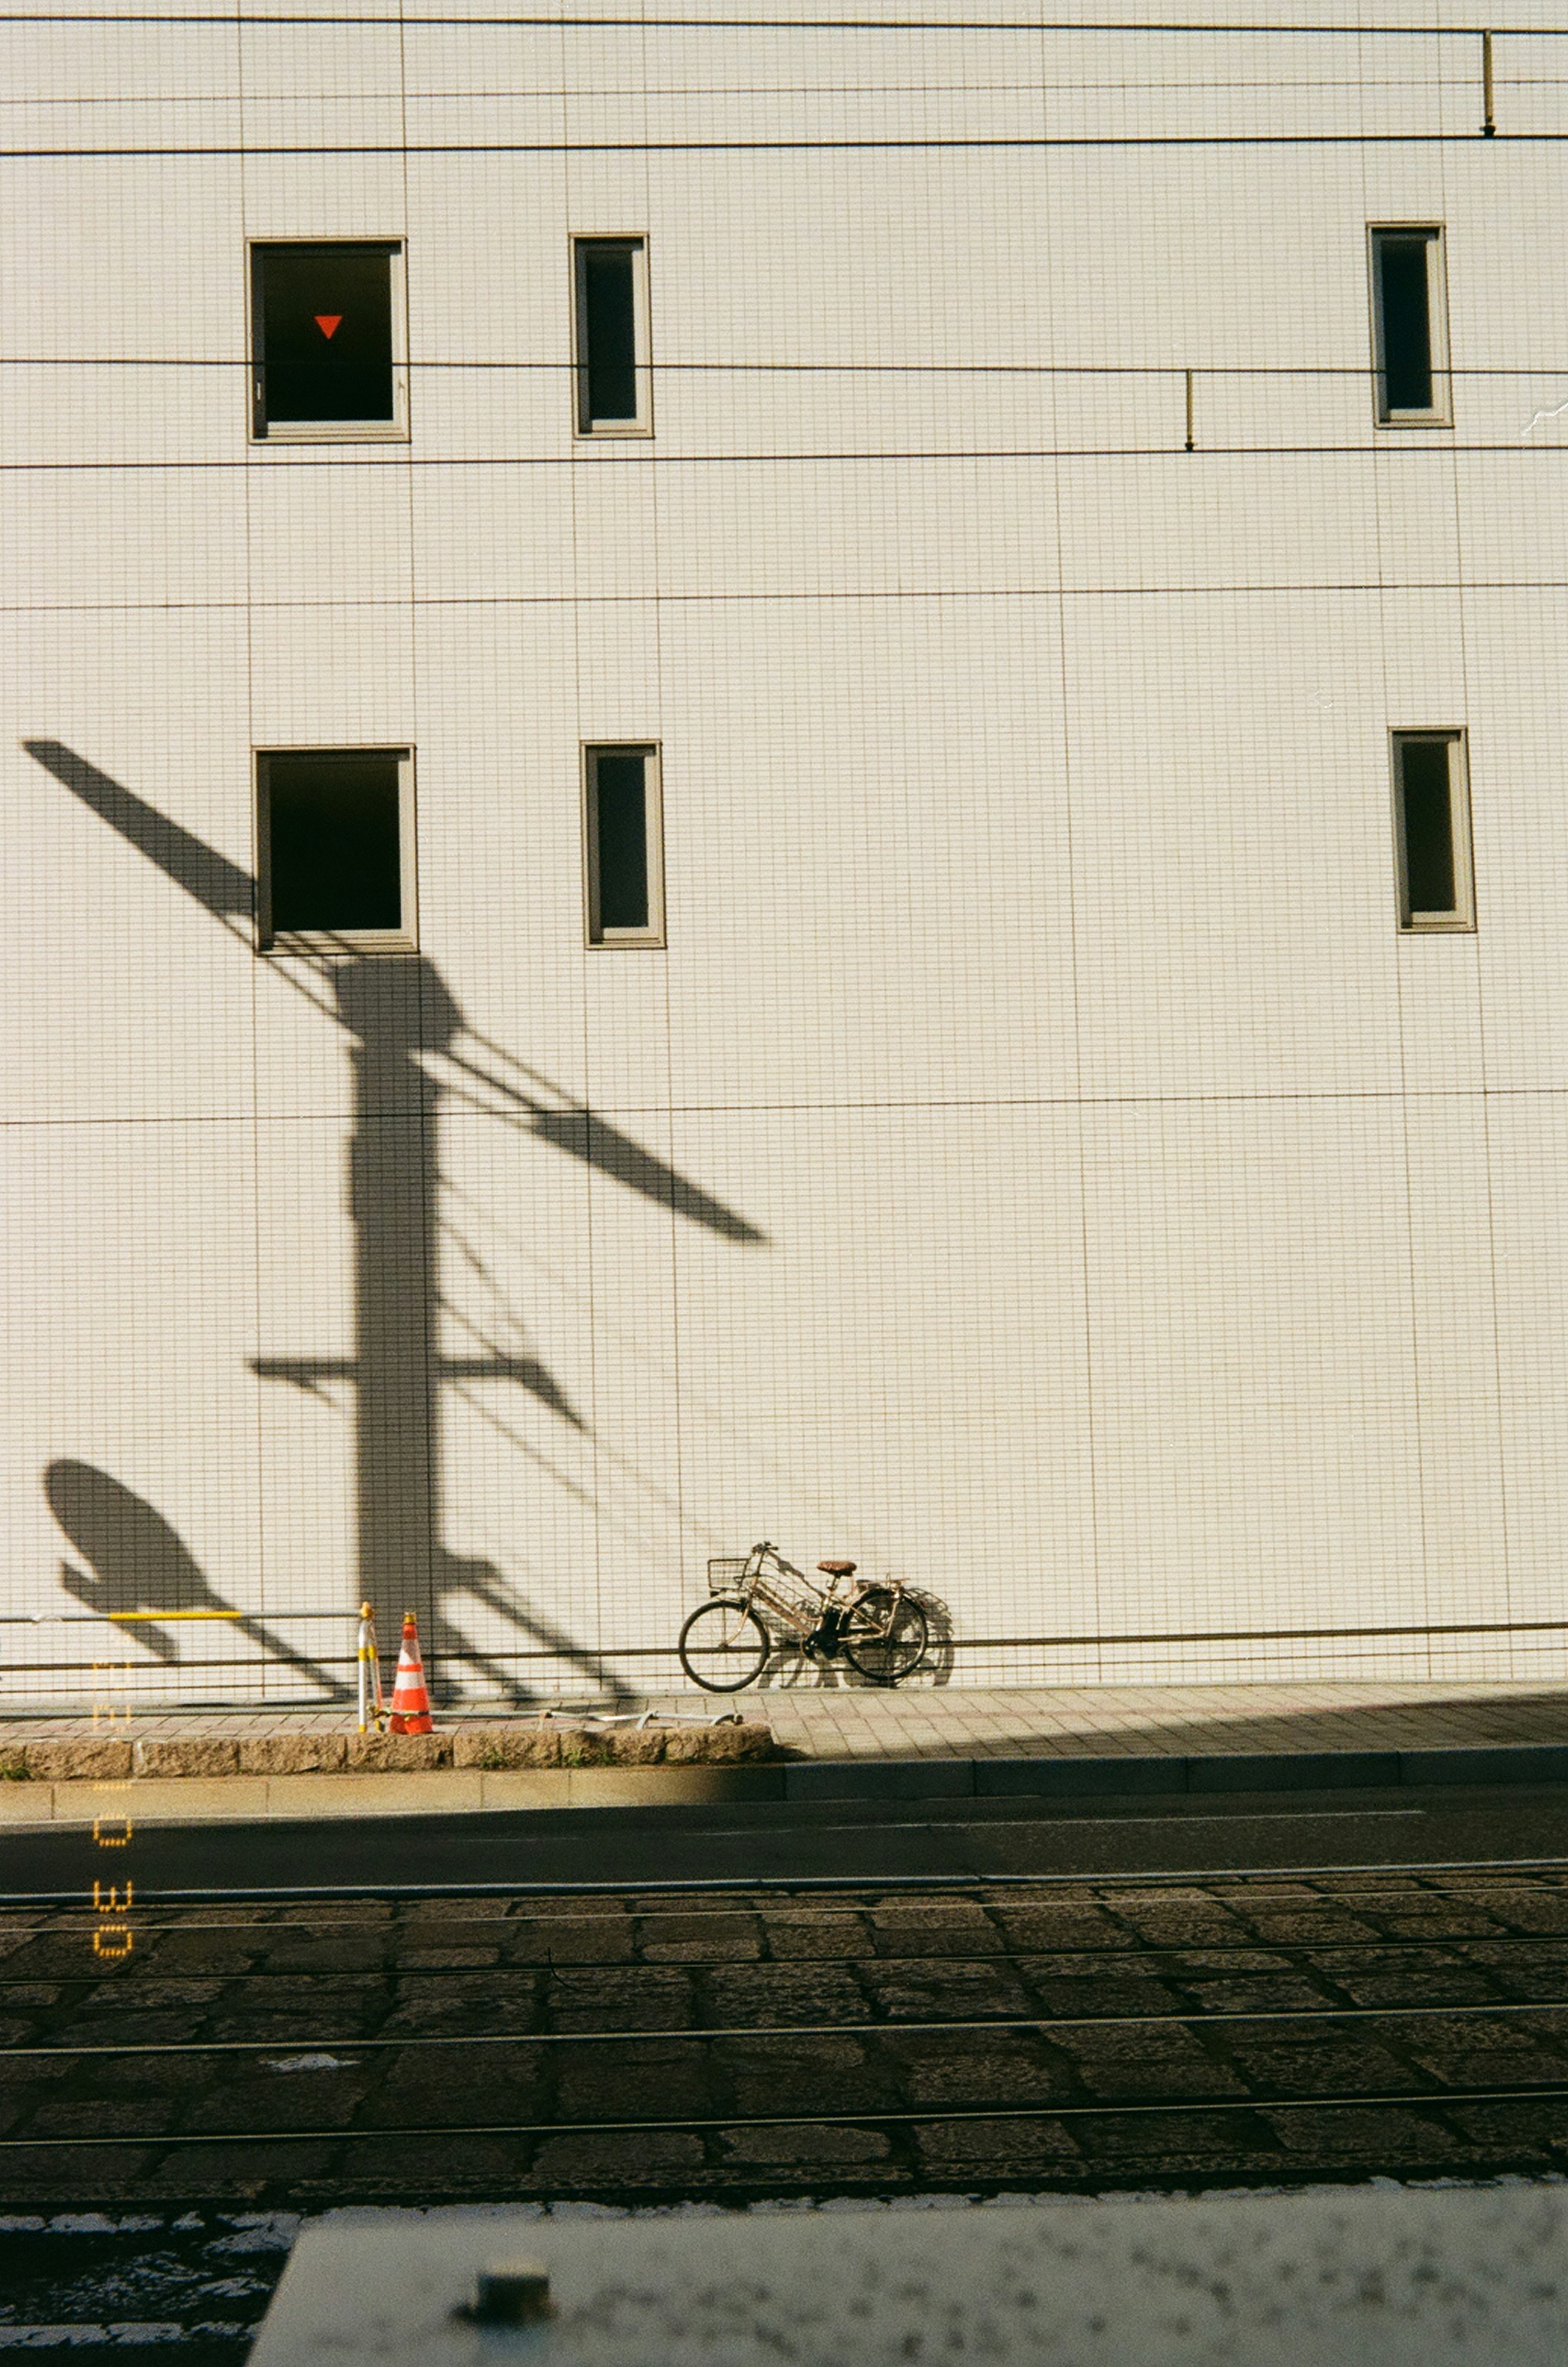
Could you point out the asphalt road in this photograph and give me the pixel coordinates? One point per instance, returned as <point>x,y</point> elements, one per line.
<point>837,1842</point>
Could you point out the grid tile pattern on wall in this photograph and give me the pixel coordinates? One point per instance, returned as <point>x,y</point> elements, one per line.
<point>1037,1163</point>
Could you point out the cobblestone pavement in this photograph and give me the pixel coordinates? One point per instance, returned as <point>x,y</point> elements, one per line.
<point>1085,2035</point>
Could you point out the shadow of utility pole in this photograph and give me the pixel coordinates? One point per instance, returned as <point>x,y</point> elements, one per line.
<point>396,1011</point>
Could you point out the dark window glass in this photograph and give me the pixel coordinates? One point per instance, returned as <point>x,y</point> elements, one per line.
<point>332,842</point>
<point>1404,315</point>
<point>323,334</point>
<point>1427,802</point>
<point>620,835</point>
<point>608,332</point>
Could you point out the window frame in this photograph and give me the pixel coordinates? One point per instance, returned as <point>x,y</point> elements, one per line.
<point>404,938</point>
<point>1439,413</point>
<point>1461,921</point>
<point>329,431</point>
<point>584,429</point>
<point>597,938</point>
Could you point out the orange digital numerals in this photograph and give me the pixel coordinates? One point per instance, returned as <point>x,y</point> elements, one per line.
<point>113,1938</point>
<point>105,1712</point>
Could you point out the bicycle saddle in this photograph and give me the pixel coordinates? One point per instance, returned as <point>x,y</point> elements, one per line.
<point>838,1569</point>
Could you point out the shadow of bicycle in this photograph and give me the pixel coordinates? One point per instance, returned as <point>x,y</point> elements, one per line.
<point>789,1668</point>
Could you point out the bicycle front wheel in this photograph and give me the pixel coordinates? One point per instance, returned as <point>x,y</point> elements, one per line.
<point>884,1635</point>
<point>723,1645</point>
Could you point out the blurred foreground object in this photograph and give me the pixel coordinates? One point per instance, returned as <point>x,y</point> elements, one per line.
<point>1394,2278</point>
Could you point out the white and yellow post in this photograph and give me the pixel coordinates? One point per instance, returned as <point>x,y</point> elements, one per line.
<point>372,1709</point>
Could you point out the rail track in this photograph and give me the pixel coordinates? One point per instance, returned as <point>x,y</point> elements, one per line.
<point>741,2040</point>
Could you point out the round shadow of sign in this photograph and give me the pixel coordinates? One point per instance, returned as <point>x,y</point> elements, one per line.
<point>135,1560</point>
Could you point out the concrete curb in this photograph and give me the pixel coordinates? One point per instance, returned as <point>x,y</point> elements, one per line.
<point>1242,1771</point>
<point>445,1790</point>
<point>154,1801</point>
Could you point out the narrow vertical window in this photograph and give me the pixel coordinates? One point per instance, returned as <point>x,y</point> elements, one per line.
<point>624,858</point>
<point>325,339</point>
<point>1431,802</point>
<point>1409,327</point>
<point>612,336</point>
<point>335,838</point>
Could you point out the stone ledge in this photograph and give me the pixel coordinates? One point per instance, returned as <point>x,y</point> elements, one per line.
<point>203,1755</point>
<point>499,1747</point>
<point>203,1758</point>
<point>65,1762</point>
<point>295,1754</point>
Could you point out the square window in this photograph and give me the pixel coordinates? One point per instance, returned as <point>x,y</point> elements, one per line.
<point>623,845</point>
<point>1410,329</point>
<point>335,836</point>
<point>1431,809</point>
<point>326,341</point>
<point>614,384</point>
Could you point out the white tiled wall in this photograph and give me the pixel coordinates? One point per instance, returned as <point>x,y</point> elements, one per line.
<point>1036,1164</point>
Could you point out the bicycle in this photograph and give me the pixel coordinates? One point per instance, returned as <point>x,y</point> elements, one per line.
<point>878,1628</point>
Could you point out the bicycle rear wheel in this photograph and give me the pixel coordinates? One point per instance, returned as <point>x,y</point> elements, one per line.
<point>723,1645</point>
<point>884,1635</point>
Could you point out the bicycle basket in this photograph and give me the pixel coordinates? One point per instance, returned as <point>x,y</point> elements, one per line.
<point>726,1573</point>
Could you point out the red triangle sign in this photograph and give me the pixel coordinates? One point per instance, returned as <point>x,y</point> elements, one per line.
<point>327,322</point>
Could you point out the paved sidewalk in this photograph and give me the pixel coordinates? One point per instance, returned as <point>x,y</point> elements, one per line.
<point>1139,1721</point>
<point>1007,1722</point>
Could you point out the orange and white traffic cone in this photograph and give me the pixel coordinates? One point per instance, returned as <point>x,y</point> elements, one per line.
<point>411,1703</point>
